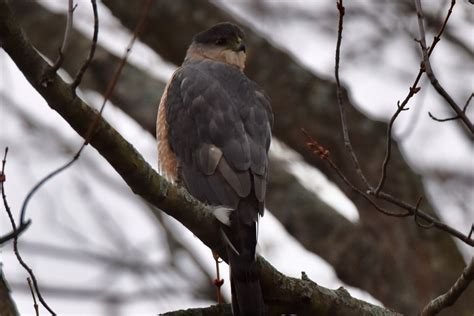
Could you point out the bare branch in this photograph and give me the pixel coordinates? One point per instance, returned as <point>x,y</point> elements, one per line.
<point>16,231</point>
<point>402,107</point>
<point>323,153</point>
<point>66,39</point>
<point>410,210</point>
<point>342,112</point>
<point>467,238</point>
<point>87,62</point>
<point>93,126</point>
<point>15,238</point>
<point>425,226</point>
<point>11,235</point>
<point>89,133</point>
<point>429,71</point>
<point>466,105</point>
<point>214,310</point>
<point>450,297</point>
<point>35,305</point>
<point>443,120</point>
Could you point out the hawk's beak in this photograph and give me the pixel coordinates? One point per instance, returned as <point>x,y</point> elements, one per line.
<point>241,47</point>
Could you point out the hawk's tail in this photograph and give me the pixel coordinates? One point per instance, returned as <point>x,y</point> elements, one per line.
<point>247,297</point>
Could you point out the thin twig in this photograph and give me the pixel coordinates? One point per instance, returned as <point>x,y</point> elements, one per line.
<point>467,238</point>
<point>67,35</point>
<point>450,297</point>
<point>410,210</point>
<point>90,131</point>
<point>87,62</point>
<point>4,196</point>
<point>342,112</point>
<point>402,106</point>
<point>15,240</point>
<point>323,153</point>
<point>429,71</point>
<point>92,127</point>
<point>35,305</point>
<point>11,235</point>
<point>417,210</point>
<point>413,120</point>
<point>466,105</point>
<point>443,120</point>
<point>118,70</point>
<point>43,181</point>
<point>16,231</point>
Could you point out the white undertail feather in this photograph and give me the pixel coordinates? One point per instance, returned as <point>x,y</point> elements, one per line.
<point>222,214</point>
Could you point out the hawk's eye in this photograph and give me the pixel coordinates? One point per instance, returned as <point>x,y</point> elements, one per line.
<point>220,41</point>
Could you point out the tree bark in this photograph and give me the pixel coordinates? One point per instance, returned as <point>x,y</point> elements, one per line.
<point>7,305</point>
<point>281,294</point>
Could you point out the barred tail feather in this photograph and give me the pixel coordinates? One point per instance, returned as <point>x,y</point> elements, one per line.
<point>247,297</point>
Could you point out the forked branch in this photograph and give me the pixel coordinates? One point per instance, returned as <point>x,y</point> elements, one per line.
<point>429,70</point>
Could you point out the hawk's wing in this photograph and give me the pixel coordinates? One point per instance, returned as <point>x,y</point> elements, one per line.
<point>220,130</point>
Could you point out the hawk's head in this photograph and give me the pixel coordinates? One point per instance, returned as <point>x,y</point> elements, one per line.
<point>224,42</point>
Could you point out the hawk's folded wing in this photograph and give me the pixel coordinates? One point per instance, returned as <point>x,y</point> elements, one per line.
<point>219,127</point>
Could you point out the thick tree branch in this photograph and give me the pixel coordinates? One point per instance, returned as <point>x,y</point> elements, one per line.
<point>282,294</point>
<point>214,310</point>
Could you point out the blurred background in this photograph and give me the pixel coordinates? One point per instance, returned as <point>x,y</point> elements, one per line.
<point>97,249</point>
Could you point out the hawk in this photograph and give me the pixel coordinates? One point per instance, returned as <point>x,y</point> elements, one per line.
<point>214,131</point>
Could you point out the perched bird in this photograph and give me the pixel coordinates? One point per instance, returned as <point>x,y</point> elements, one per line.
<point>214,132</point>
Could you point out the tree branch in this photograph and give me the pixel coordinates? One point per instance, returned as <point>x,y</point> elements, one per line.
<point>7,305</point>
<point>409,210</point>
<point>450,297</point>
<point>429,71</point>
<point>282,294</point>
<point>66,38</point>
<point>214,310</point>
<point>414,89</point>
<point>342,112</point>
<point>89,58</point>
<point>15,238</point>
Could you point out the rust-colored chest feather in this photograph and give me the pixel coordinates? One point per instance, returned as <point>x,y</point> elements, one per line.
<point>167,163</point>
